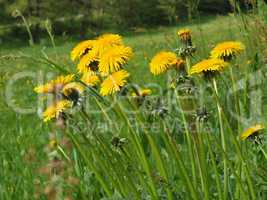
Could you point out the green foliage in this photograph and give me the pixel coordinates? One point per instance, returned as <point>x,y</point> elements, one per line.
<point>262,9</point>
<point>83,17</point>
<point>171,9</point>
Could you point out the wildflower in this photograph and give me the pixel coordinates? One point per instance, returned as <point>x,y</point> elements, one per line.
<point>227,50</point>
<point>69,88</point>
<point>73,91</point>
<point>46,88</point>
<point>53,144</point>
<point>57,108</point>
<point>114,58</point>
<point>81,49</point>
<point>162,62</point>
<point>251,131</point>
<point>63,79</point>
<point>185,35</point>
<point>89,79</point>
<point>88,63</point>
<point>142,93</point>
<point>208,65</point>
<point>114,82</point>
<point>54,85</point>
<point>106,41</point>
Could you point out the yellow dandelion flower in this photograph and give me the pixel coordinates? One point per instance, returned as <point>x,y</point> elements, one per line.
<point>54,85</point>
<point>63,79</point>
<point>53,144</point>
<point>251,131</point>
<point>142,93</point>
<point>162,62</point>
<point>184,34</point>
<point>114,82</point>
<point>73,92</point>
<point>208,65</point>
<point>81,49</point>
<point>46,88</point>
<point>114,58</point>
<point>71,87</point>
<point>145,92</point>
<point>54,110</point>
<point>227,50</point>
<point>110,39</point>
<point>88,63</point>
<point>106,41</point>
<point>90,79</point>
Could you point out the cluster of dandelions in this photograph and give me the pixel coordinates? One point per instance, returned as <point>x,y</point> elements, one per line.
<point>101,64</point>
<point>102,61</point>
<point>220,57</point>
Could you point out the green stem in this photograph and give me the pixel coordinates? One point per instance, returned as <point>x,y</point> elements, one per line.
<point>238,178</point>
<point>132,185</point>
<point>91,166</point>
<point>223,141</point>
<point>181,167</point>
<point>31,42</point>
<point>215,168</point>
<point>48,27</point>
<point>188,65</point>
<point>237,105</point>
<point>189,141</point>
<point>202,162</point>
<point>242,158</point>
<point>139,150</point>
<point>262,150</point>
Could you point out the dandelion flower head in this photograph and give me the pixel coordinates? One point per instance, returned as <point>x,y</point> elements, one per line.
<point>227,50</point>
<point>162,61</point>
<point>251,131</point>
<point>54,85</point>
<point>209,65</point>
<point>81,49</point>
<point>114,82</point>
<point>88,63</point>
<point>106,41</point>
<point>142,93</point>
<point>54,110</point>
<point>184,34</point>
<point>71,87</point>
<point>114,58</point>
<point>89,79</point>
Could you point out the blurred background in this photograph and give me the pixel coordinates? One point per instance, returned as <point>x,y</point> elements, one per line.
<point>84,18</point>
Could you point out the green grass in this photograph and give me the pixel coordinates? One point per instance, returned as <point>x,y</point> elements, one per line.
<point>24,137</point>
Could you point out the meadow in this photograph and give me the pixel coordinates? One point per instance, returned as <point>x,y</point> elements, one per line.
<point>148,154</point>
